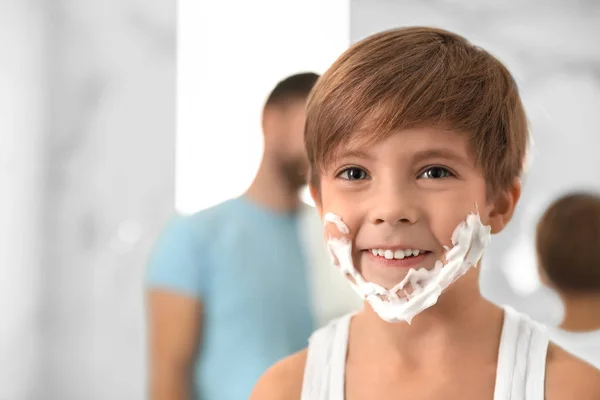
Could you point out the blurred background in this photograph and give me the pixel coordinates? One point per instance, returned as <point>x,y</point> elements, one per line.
<point>116,114</point>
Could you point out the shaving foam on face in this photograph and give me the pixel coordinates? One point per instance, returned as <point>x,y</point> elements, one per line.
<point>469,240</point>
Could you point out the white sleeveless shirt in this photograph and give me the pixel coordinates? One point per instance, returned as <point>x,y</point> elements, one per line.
<point>520,374</point>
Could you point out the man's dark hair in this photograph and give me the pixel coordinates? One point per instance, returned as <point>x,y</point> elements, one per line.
<point>292,88</point>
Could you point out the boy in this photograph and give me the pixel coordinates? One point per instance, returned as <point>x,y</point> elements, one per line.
<point>568,248</point>
<point>409,133</point>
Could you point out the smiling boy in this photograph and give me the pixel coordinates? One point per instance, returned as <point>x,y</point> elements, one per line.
<point>416,141</point>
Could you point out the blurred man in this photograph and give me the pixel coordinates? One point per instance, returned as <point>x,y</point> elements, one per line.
<point>568,248</point>
<point>230,291</point>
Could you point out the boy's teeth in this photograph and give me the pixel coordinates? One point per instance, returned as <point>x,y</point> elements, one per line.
<point>398,254</point>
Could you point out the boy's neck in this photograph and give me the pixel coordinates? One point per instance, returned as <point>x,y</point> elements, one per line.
<point>582,313</point>
<point>461,322</point>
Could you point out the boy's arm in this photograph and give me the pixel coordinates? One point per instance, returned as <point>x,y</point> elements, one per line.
<point>568,377</point>
<point>177,285</point>
<point>175,327</point>
<point>283,381</point>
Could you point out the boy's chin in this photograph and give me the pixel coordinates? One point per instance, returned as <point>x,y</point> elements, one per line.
<point>390,276</point>
<point>387,278</point>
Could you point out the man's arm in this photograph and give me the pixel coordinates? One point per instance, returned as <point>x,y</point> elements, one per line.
<point>177,281</point>
<point>175,325</point>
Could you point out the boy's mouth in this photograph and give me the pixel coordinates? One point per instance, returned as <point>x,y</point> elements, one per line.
<point>398,254</point>
<point>407,258</point>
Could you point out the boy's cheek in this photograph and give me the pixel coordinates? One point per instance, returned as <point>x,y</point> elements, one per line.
<point>443,232</point>
<point>349,218</point>
<point>332,231</point>
<point>447,219</point>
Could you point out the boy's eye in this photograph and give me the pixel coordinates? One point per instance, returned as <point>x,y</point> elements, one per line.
<point>353,174</point>
<point>435,173</point>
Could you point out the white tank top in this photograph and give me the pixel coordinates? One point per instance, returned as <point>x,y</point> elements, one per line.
<point>520,373</point>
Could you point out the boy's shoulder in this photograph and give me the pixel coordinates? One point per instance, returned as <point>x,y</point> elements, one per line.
<point>568,377</point>
<point>283,380</point>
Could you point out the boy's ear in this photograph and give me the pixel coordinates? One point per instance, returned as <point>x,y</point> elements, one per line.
<point>314,193</point>
<point>503,206</point>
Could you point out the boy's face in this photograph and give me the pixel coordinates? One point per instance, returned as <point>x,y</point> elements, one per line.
<point>409,191</point>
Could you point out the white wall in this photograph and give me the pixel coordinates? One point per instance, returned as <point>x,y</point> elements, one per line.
<point>108,161</point>
<point>21,130</point>
<point>228,62</point>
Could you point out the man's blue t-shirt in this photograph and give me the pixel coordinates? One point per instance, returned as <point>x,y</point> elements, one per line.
<point>246,265</point>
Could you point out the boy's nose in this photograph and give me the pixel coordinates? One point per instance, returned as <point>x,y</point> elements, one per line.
<point>395,206</point>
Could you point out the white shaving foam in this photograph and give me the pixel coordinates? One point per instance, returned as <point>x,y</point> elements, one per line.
<point>337,221</point>
<point>469,240</point>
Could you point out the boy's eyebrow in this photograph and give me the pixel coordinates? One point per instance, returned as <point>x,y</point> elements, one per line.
<point>417,157</point>
<point>354,153</point>
<point>439,153</point>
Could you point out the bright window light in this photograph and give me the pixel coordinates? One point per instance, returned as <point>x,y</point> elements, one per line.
<point>230,55</point>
